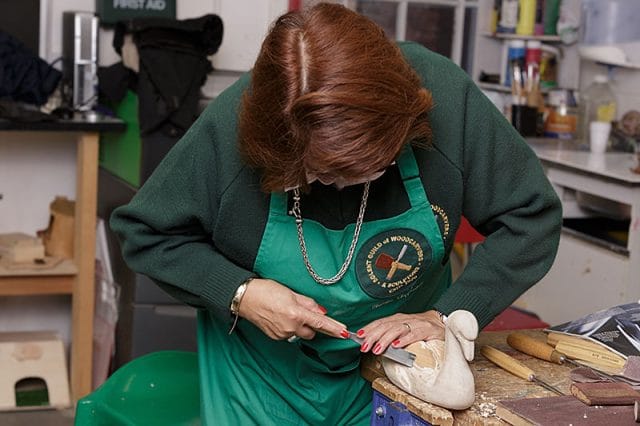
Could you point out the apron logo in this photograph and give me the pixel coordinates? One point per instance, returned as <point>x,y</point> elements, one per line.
<point>391,263</point>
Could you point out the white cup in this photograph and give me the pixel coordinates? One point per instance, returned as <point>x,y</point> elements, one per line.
<point>599,136</point>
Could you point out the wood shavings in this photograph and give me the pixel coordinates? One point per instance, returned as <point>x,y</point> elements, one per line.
<point>487,409</point>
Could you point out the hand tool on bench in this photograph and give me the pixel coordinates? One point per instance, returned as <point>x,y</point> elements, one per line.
<point>542,350</point>
<point>515,367</point>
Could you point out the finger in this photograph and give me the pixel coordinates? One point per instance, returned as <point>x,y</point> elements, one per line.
<point>324,324</point>
<point>380,337</point>
<point>393,336</point>
<point>406,334</point>
<point>306,333</point>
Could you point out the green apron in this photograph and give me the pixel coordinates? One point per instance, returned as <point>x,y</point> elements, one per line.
<point>248,378</point>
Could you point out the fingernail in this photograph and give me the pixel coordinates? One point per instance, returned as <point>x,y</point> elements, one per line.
<point>364,347</point>
<point>396,342</point>
<point>377,349</point>
<point>360,333</point>
<point>323,309</point>
<point>344,334</point>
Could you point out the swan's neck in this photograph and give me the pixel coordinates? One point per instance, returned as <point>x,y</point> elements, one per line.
<point>454,363</point>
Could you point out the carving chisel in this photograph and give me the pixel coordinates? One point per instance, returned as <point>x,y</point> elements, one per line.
<point>514,367</point>
<point>542,350</point>
<point>402,356</point>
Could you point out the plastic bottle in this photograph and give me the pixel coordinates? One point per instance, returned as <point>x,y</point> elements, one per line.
<point>597,103</point>
<point>538,28</point>
<point>533,54</point>
<point>495,16</point>
<point>515,52</point>
<point>508,16</point>
<point>549,67</point>
<point>526,17</point>
<point>551,15</point>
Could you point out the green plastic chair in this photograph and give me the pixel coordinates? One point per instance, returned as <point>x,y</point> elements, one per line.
<point>161,388</point>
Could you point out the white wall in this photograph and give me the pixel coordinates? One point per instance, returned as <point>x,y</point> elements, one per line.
<point>34,171</point>
<point>245,24</point>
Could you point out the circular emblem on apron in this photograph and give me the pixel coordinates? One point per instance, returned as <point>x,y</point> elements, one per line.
<point>392,262</point>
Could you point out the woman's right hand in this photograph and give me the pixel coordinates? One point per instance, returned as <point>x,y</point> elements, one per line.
<point>282,313</point>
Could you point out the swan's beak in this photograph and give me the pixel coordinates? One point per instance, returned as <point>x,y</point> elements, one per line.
<point>467,349</point>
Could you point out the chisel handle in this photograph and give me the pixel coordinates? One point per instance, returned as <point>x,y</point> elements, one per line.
<point>508,363</point>
<point>534,347</point>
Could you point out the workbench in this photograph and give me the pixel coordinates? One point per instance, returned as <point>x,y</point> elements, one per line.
<point>74,277</point>
<point>492,384</point>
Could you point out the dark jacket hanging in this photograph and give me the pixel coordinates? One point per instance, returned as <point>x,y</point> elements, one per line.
<point>173,67</point>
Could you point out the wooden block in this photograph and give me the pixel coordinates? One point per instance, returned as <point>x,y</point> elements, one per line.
<point>605,393</point>
<point>33,355</point>
<point>20,248</point>
<point>562,410</point>
<point>59,236</point>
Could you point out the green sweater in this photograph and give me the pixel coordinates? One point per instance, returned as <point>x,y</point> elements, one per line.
<point>196,225</point>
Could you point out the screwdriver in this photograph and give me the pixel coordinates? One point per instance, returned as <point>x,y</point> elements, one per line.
<point>544,351</point>
<point>514,367</point>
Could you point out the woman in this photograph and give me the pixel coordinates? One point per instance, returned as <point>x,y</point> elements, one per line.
<point>321,194</point>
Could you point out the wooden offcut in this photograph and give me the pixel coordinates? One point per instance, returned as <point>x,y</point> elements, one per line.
<point>33,355</point>
<point>18,248</point>
<point>605,393</point>
<point>59,236</point>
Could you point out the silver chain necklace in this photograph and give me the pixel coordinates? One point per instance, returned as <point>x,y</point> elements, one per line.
<point>303,247</point>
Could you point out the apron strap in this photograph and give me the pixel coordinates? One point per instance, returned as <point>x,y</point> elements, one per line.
<point>411,177</point>
<point>278,203</point>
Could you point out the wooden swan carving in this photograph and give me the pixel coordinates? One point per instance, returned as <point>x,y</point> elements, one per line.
<point>441,374</point>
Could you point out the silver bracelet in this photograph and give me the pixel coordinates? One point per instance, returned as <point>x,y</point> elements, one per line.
<point>235,303</point>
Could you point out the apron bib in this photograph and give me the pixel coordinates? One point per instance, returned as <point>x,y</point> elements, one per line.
<point>248,378</point>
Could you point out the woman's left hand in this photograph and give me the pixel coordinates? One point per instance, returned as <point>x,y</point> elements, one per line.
<point>400,330</point>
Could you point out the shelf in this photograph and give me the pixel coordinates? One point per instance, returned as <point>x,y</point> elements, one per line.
<point>26,282</point>
<point>613,55</point>
<point>36,285</point>
<point>509,36</point>
<point>502,88</point>
<point>65,267</point>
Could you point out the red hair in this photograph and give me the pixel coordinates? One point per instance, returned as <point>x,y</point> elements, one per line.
<point>329,95</point>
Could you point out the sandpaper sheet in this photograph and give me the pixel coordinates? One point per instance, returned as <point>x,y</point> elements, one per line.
<point>562,410</point>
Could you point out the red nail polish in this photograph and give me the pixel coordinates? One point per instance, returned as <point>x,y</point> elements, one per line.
<point>396,342</point>
<point>323,309</point>
<point>377,349</point>
<point>364,347</point>
<point>360,333</point>
<point>344,334</point>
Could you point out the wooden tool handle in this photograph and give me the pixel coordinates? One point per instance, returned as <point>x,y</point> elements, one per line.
<point>534,347</point>
<point>507,362</point>
<point>599,357</point>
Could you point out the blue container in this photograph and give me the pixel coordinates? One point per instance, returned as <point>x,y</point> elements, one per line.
<point>516,50</point>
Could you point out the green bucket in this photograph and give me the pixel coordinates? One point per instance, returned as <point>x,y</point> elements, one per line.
<point>161,388</point>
